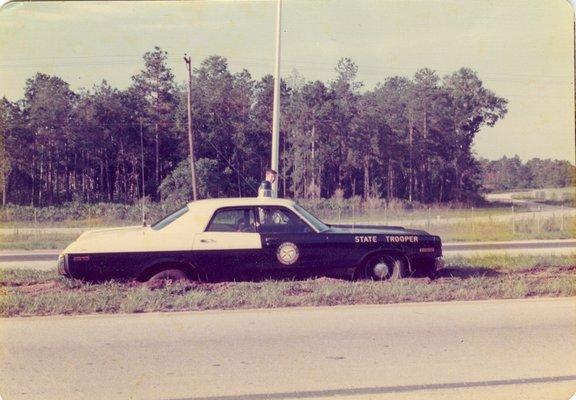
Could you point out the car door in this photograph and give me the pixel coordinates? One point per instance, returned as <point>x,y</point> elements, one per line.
<point>289,244</point>
<point>228,244</point>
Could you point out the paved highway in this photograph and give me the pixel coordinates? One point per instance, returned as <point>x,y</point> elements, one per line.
<point>505,349</point>
<point>521,247</point>
<point>513,198</point>
<point>46,259</point>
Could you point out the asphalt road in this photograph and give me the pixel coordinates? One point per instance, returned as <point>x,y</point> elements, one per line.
<point>521,247</point>
<point>46,259</point>
<point>506,349</point>
<point>29,259</point>
<point>512,198</point>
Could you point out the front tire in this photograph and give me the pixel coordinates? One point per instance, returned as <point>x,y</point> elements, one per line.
<point>383,267</point>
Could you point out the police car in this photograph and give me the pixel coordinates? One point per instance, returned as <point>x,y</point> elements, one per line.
<point>237,238</point>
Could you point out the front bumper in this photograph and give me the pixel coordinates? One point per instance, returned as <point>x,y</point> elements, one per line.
<point>440,263</point>
<point>63,265</point>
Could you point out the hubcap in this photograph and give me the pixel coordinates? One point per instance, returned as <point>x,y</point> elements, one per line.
<point>381,270</point>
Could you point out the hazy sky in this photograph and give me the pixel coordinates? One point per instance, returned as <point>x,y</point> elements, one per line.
<point>522,50</point>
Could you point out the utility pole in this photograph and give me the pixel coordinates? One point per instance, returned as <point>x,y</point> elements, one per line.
<point>410,141</point>
<point>276,106</point>
<point>188,61</point>
<point>142,160</point>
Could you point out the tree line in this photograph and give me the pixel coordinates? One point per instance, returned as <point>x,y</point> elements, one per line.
<point>406,138</point>
<point>511,173</point>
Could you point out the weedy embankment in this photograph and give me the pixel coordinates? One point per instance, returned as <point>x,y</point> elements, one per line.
<point>27,292</point>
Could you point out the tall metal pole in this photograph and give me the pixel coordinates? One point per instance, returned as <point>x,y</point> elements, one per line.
<point>276,107</point>
<point>143,180</point>
<point>188,61</point>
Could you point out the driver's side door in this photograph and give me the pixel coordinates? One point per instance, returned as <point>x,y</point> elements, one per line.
<point>288,243</point>
<point>229,245</point>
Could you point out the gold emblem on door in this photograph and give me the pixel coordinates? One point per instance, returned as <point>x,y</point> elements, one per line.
<point>287,253</point>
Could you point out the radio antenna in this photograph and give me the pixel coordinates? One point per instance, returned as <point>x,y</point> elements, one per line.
<point>353,217</point>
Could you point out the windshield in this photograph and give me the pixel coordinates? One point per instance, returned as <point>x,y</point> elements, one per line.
<point>312,220</point>
<point>169,219</point>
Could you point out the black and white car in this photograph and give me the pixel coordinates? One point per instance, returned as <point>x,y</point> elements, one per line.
<point>237,238</point>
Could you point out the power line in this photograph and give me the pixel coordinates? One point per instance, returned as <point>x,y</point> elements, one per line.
<point>131,59</point>
<point>228,162</point>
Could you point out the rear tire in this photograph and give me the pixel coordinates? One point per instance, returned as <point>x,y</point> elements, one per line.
<point>383,267</point>
<point>169,275</point>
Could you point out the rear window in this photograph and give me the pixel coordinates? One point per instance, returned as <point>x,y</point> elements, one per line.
<point>164,222</point>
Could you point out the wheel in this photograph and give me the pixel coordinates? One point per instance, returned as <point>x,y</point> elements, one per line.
<point>169,275</point>
<point>383,267</point>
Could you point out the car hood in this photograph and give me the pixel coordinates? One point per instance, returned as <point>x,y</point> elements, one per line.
<point>374,230</point>
<point>121,231</point>
<point>109,239</point>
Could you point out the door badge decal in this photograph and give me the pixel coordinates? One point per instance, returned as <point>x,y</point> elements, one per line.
<point>287,253</point>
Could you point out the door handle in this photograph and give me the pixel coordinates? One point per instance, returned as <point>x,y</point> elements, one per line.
<point>271,241</point>
<point>207,241</point>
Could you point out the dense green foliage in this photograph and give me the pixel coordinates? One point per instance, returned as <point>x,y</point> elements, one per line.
<point>407,138</point>
<point>511,173</point>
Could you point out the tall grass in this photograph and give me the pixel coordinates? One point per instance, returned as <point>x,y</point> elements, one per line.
<point>37,240</point>
<point>553,227</point>
<point>477,278</point>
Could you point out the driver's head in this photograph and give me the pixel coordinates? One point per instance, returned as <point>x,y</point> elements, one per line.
<point>271,175</point>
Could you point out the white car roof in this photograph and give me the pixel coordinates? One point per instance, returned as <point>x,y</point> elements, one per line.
<point>202,210</point>
<point>213,204</point>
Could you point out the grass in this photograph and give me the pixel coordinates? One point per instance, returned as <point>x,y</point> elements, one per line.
<point>28,292</point>
<point>381,215</point>
<point>523,229</point>
<point>34,241</point>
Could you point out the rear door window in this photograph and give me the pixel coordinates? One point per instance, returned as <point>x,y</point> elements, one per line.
<point>233,220</point>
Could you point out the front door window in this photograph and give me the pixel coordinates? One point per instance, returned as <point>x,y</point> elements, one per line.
<point>280,220</point>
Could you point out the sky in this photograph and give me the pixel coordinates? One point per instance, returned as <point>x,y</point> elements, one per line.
<point>521,49</point>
